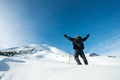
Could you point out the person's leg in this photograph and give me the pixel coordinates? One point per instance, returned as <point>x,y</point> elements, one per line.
<point>76,57</point>
<point>83,57</point>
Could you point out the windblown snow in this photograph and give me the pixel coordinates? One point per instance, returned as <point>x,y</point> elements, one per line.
<point>43,62</point>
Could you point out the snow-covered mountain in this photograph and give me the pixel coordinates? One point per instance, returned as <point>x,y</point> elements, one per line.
<point>33,48</point>
<point>46,52</point>
<point>37,51</point>
<point>44,62</point>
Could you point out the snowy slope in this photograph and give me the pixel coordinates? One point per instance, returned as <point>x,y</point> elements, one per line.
<point>54,66</point>
<point>38,51</point>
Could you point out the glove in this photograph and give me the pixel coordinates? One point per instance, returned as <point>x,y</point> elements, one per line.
<point>65,35</point>
<point>88,35</point>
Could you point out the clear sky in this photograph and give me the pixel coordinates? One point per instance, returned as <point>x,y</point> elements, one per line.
<point>46,21</point>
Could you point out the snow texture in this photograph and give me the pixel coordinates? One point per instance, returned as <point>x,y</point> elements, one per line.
<point>49,63</point>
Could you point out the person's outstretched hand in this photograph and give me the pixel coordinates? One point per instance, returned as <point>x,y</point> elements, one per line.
<point>65,35</point>
<point>88,35</point>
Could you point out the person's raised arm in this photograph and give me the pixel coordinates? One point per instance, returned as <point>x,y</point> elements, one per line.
<point>85,38</point>
<point>69,38</point>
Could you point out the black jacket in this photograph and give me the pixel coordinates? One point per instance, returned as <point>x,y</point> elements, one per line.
<point>77,42</point>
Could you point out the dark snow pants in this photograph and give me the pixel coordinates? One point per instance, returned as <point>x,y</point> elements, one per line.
<point>81,53</point>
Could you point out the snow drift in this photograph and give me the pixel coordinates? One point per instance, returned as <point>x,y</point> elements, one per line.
<point>43,62</point>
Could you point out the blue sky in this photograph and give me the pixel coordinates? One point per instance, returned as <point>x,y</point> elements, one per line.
<point>46,21</point>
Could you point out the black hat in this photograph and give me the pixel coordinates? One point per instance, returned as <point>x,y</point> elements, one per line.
<point>78,37</point>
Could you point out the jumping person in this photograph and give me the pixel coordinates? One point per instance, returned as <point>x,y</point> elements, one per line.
<point>78,47</point>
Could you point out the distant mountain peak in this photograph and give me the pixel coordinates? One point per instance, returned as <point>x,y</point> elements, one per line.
<point>93,54</point>
<point>34,50</point>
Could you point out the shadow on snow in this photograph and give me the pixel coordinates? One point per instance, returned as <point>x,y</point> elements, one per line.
<point>4,66</point>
